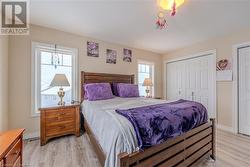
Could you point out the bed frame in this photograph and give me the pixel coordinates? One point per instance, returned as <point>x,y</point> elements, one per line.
<point>181,151</point>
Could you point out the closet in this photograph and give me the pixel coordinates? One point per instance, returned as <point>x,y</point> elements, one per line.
<point>244,89</point>
<point>193,79</point>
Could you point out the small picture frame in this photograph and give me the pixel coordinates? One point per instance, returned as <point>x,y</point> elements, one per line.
<point>127,55</point>
<point>92,49</point>
<point>111,56</point>
<point>224,70</point>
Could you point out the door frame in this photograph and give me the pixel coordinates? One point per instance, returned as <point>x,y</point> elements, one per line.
<point>200,54</point>
<point>235,114</point>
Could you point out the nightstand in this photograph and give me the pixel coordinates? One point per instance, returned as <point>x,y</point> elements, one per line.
<point>59,121</point>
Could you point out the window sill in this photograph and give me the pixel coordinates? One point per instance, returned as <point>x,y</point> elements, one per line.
<point>35,114</point>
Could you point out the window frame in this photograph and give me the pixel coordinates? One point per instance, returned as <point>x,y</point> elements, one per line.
<point>151,74</point>
<point>37,47</point>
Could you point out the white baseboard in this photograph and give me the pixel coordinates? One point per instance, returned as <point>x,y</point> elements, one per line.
<point>225,128</point>
<point>33,135</point>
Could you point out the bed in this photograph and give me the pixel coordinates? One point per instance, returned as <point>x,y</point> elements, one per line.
<point>122,151</point>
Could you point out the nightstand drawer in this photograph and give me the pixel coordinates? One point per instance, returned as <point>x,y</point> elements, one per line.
<point>60,128</point>
<point>14,153</point>
<point>59,122</point>
<point>65,114</point>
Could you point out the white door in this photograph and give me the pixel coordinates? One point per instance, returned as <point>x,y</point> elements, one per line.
<point>193,79</point>
<point>244,90</point>
<point>176,80</point>
<point>200,82</point>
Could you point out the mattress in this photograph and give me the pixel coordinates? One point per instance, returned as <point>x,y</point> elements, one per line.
<point>114,132</point>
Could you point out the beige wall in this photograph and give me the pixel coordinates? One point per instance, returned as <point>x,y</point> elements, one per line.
<point>223,46</point>
<point>3,83</point>
<point>20,68</point>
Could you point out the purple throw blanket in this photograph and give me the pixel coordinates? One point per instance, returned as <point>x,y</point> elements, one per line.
<point>156,123</point>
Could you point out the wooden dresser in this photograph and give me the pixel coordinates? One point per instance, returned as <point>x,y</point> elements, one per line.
<point>59,121</point>
<point>11,148</point>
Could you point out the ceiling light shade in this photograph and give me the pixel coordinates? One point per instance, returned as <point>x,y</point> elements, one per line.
<point>169,4</point>
<point>166,5</point>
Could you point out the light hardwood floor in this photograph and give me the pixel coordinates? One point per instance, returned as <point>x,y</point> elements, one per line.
<point>70,151</point>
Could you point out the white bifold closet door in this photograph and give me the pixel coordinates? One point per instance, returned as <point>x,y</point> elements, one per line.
<point>176,80</point>
<point>192,79</point>
<point>244,90</point>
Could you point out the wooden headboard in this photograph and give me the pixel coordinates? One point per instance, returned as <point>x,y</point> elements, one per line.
<point>88,77</point>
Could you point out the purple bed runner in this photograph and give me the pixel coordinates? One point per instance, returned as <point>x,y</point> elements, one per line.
<point>156,123</point>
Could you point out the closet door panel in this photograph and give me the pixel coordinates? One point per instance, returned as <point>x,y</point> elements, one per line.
<point>171,81</point>
<point>190,79</point>
<point>244,90</point>
<point>204,90</point>
<point>181,80</point>
<point>176,80</point>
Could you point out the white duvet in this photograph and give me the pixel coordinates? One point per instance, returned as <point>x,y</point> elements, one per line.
<point>114,132</point>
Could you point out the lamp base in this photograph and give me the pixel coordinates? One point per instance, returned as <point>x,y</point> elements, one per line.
<point>147,92</point>
<point>61,94</point>
<point>61,103</point>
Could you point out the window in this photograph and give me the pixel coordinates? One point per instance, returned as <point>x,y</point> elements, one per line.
<point>145,70</point>
<point>48,60</point>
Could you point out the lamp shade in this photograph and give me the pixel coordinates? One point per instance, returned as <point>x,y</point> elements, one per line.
<point>147,82</point>
<point>60,80</point>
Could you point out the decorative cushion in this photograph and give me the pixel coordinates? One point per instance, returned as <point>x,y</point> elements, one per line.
<point>127,90</point>
<point>98,91</point>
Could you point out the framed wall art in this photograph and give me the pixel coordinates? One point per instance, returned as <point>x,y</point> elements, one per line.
<point>92,49</point>
<point>127,55</point>
<point>111,56</point>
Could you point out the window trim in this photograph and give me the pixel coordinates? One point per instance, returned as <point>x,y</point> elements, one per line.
<point>152,64</point>
<point>35,73</point>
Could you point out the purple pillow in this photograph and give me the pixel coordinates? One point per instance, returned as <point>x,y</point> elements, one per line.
<point>85,97</point>
<point>98,91</point>
<point>127,90</point>
<point>114,88</point>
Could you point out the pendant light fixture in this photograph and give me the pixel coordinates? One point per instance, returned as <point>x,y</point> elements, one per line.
<point>166,6</point>
<point>55,58</point>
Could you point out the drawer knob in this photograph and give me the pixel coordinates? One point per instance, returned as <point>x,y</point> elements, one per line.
<point>16,152</point>
<point>62,126</point>
<point>61,114</point>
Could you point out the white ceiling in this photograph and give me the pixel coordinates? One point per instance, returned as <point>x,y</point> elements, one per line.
<point>132,22</point>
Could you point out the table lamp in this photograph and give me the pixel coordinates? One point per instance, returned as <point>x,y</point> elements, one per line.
<point>148,83</point>
<point>60,80</point>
